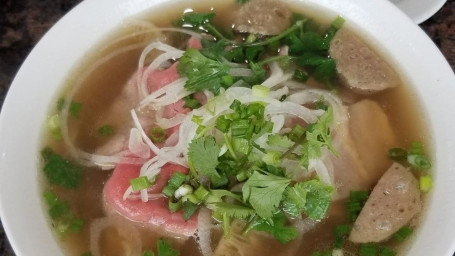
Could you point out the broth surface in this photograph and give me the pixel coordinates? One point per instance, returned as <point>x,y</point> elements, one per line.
<point>99,89</point>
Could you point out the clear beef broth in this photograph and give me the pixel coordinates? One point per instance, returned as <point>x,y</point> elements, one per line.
<point>106,83</point>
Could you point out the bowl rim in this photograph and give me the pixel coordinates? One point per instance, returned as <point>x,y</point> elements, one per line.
<point>49,63</point>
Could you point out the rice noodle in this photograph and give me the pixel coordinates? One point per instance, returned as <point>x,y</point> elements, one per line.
<point>204,231</point>
<point>82,157</point>
<point>147,140</point>
<point>167,49</point>
<point>172,88</point>
<point>131,241</point>
<point>276,76</point>
<point>167,123</point>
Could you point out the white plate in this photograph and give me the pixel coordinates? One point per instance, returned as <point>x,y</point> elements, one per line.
<point>47,67</point>
<point>419,10</point>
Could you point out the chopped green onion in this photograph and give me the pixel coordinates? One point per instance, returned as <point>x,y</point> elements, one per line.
<point>176,179</point>
<point>168,191</point>
<point>174,206</point>
<point>338,22</point>
<point>416,148</point>
<point>339,232</point>
<point>256,109</point>
<point>229,146</point>
<point>189,209</point>
<point>260,91</point>
<point>105,130</point>
<point>76,225</point>
<point>227,80</point>
<point>387,252</point>
<point>251,38</point>
<point>183,190</point>
<point>51,198</point>
<point>157,134</point>
<point>75,109</point>
<point>53,124</point>
<point>419,161</point>
<point>397,154</point>
<point>272,158</point>
<point>191,102</point>
<point>356,201</point>
<point>201,193</point>
<point>235,105</point>
<point>402,233</point>
<point>240,127</point>
<point>241,145</point>
<point>226,224</point>
<point>426,183</point>
<point>197,120</point>
<point>296,133</point>
<point>223,124</point>
<point>368,250</point>
<point>140,183</point>
<point>241,176</point>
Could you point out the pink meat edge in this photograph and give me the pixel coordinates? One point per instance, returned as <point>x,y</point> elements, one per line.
<point>153,214</point>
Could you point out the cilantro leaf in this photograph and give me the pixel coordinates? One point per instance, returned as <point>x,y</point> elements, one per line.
<point>203,155</point>
<point>189,209</point>
<point>295,199</point>
<point>317,136</point>
<point>61,171</point>
<point>279,141</point>
<point>282,233</point>
<point>264,192</point>
<point>202,73</point>
<point>318,198</point>
<point>234,211</point>
<point>164,248</point>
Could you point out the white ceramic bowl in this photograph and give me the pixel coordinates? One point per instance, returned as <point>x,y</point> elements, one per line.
<point>419,10</point>
<point>48,65</point>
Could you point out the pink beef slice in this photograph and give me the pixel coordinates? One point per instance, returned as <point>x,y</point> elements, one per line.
<point>154,213</point>
<point>359,67</point>
<point>264,17</point>
<point>395,200</point>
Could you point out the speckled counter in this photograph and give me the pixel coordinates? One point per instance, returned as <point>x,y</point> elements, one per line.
<point>23,23</point>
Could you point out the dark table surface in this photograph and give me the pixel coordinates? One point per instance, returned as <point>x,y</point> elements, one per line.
<point>23,23</point>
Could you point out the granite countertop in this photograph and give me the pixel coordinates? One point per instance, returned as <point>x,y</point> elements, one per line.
<point>23,23</point>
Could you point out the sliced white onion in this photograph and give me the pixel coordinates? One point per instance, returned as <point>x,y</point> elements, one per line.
<point>136,145</point>
<point>278,123</point>
<point>167,123</point>
<point>172,88</point>
<point>277,94</point>
<point>276,76</point>
<point>291,108</point>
